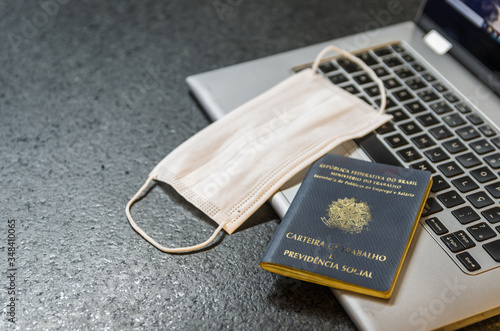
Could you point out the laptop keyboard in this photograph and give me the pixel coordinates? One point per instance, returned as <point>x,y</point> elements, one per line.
<point>434,128</point>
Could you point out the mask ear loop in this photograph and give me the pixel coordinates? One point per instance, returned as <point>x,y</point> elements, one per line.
<point>154,242</point>
<point>362,64</point>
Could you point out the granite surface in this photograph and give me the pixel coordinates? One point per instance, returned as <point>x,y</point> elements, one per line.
<point>92,97</point>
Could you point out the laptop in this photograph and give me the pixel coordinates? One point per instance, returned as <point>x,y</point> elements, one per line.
<point>441,73</point>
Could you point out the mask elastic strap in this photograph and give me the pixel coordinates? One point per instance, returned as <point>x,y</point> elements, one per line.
<point>362,64</point>
<point>154,242</point>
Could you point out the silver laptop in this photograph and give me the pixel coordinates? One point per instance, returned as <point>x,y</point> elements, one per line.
<point>441,73</point>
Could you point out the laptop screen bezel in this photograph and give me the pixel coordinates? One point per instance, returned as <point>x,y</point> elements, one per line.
<point>432,18</point>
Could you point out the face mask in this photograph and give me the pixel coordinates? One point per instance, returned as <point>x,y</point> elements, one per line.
<point>230,168</point>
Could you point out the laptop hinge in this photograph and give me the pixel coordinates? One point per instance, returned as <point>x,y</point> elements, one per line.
<point>437,42</point>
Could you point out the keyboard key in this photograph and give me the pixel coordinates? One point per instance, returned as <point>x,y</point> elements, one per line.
<point>351,89</point>
<point>391,83</point>
<point>428,96</point>
<point>450,169</point>
<point>451,97</point>
<point>492,215</point>
<point>436,226</point>
<point>480,199</point>
<point>487,130</point>
<point>475,119</point>
<point>440,87</point>
<point>439,184</point>
<point>385,128</point>
<point>396,141</point>
<point>415,107</point>
<point>494,190</point>
<point>423,165</point>
<point>452,242</point>
<point>454,120</point>
<point>441,108</point>
<point>468,133</point>
<point>398,115</point>
<point>451,199</point>
<point>404,72</point>
<point>382,51</point>
<point>410,128</point>
<point>416,83</point>
<point>481,232</point>
<point>423,141</point>
<point>454,146</point>
<point>409,154</point>
<point>463,108</point>
<point>468,261</point>
<point>496,141</point>
<point>464,239</point>
<point>465,184</point>
<point>327,67</point>
<point>431,206</point>
<point>389,103</point>
<point>338,79</point>
<point>381,72</point>
<point>407,57</point>
<point>436,155</point>
<point>372,91</point>
<point>482,146</point>
<point>363,79</point>
<point>398,48</point>
<point>427,119</point>
<point>466,215</point>
<point>348,66</point>
<point>468,160</point>
<point>429,77</point>
<point>418,67</point>
<point>403,95</point>
<point>483,174</point>
<point>367,58</point>
<point>393,62</point>
<point>441,132</point>
<point>493,248</point>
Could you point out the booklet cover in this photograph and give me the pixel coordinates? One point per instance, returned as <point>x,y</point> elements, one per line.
<point>350,225</point>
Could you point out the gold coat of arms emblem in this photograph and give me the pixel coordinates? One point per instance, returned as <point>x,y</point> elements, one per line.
<point>349,215</point>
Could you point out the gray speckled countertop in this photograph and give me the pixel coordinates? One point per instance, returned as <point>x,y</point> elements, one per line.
<point>92,97</point>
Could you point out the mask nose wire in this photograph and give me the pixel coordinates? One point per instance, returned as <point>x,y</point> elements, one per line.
<point>154,242</point>
<point>368,70</point>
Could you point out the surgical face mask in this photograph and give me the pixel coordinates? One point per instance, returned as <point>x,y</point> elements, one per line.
<point>230,168</point>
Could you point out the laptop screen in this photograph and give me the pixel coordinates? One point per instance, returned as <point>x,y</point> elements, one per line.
<point>474,28</point>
